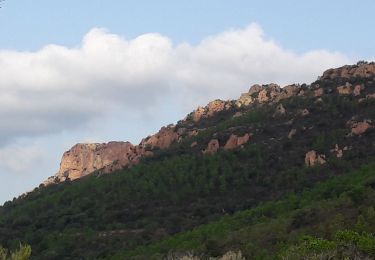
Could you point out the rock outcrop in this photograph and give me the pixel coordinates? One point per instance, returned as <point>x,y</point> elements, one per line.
<point>198,114</point>
<point>83,159</point>
<point>362,69</point>
<point>339,152</point>
<point>348,89</point>
<point>235,141</point>
<point>267,93</point>
<point>212,147</point>
<point>345,89</point>
<point>244,100</point>
<point>209,110</point>
<point>358,128</point>
<point>163,139</point>
<point>312,158</point>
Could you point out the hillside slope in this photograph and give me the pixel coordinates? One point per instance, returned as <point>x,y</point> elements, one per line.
<point>239,157</point>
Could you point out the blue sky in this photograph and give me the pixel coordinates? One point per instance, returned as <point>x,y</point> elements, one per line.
<point>299,25</point>
<point>96,71</point>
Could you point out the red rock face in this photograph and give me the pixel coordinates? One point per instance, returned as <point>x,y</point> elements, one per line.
<point>344,90</point>
<point>234,141</point>
<point>211,108</point>
<point>262,96</point>
<point>212,147</point>
<point>163,139</point>
<point>83,159</point>
<point>267,93</point>
<point>312,158</point>
<point>198,114</point>
<point>359,128</point>
<point>362,70</point>
<point>215,106</point>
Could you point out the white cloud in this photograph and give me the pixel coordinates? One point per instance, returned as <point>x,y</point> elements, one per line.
<point>17,158</point>
<point>58,89</point>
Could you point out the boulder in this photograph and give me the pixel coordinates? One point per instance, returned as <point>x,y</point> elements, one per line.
<point>211,108</point>
<point>212,147</point>
<point>234,141</point>
<point>358,128</point>
<point>339,152</point>
<point>312,158</point>
<point>163,139</point>
<point>345,89</point>
<point>215,106</point>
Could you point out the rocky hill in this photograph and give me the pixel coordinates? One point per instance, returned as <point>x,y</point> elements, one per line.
<point>83,159</point>
<point>280,173</point>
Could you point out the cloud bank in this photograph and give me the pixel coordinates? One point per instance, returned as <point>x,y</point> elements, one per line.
<point>60,89</point>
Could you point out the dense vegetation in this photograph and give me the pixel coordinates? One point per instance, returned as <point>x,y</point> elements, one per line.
<point>333,214</point>
<point>260,199</point>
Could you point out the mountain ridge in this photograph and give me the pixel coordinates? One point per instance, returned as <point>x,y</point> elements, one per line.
<point>85,158</point>
<point>256,177</point>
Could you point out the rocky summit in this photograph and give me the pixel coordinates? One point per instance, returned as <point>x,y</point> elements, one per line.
<point>83,159</point>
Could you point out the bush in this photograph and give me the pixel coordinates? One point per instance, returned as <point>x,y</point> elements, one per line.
<point>23,253</point>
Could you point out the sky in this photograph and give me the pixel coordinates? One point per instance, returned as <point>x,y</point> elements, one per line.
<point>97,71</point>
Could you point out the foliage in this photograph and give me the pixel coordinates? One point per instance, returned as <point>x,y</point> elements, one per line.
<point>258,227</point>
<point>347,244</point>
<point>22,253</point>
